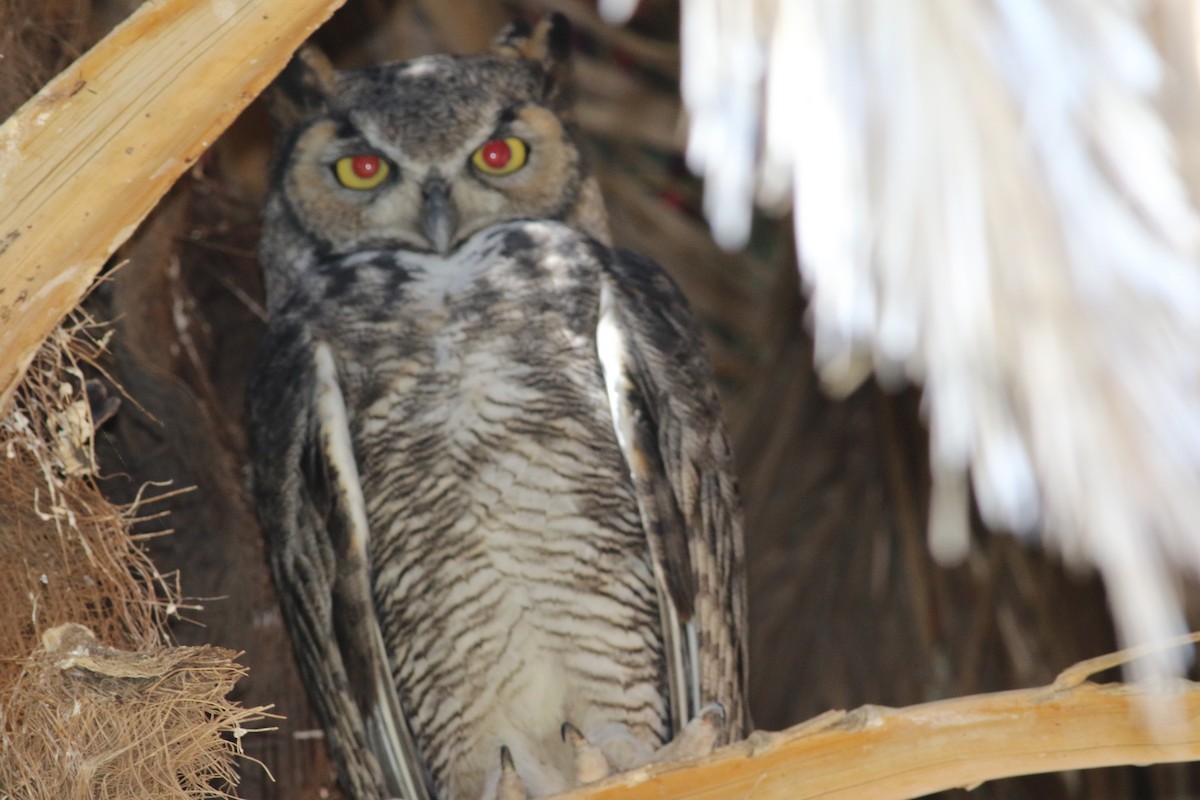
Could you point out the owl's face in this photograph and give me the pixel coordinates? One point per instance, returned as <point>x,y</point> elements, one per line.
<point>422,154</point>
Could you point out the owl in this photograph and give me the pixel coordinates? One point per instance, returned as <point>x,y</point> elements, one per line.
<point>496,490</point>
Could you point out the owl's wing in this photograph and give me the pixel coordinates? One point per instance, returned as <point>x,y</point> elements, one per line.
<point>669,426</point>
<point>313,515</point>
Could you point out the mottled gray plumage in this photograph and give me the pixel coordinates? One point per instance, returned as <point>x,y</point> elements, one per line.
<point>489,458</point>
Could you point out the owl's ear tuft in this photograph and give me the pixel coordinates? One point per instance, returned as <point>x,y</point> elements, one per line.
<point>547,43</point>
<point>555,34</point>
<point>304,87</point>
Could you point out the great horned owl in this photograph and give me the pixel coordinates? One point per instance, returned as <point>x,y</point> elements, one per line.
<point>489,459</point>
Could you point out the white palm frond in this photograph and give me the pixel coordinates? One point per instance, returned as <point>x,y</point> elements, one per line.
<point>987,201</point>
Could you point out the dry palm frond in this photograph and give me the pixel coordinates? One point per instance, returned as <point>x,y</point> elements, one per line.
<point>880,753</point>
<point>987,202</point>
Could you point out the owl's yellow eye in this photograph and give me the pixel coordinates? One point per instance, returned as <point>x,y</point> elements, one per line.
<point>500,156</point>
<point>364,171</point>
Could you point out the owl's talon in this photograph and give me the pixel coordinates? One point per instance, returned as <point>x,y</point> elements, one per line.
<point>714,714</point>
<point>591,764</point>
<point>510,787</point>
<point>698,737</point>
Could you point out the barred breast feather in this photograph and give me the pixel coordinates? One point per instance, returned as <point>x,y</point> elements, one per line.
<point>529,519</point>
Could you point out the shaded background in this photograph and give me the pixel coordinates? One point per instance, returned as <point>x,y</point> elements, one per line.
<point>846,606</point>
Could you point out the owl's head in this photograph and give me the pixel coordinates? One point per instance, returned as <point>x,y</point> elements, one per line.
<point>422,154</point>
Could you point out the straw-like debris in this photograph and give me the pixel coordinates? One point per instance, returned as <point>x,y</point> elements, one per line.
<point>80,718</point>
<point>65,551</point>
<point>88,721</point>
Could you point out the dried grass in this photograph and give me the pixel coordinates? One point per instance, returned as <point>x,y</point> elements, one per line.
<point>65,553</point>
<point>88,721</point>
<point>78,718</point>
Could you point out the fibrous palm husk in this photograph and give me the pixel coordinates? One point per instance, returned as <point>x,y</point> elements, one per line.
<point>79,718</point>
<point>65,551</point>
<point>88,721</point>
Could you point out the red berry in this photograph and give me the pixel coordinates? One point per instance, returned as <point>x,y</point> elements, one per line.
<point>496,153</point>
<point>366,166</point>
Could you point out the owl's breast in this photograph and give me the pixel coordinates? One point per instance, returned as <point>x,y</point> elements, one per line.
<point>511,571</point>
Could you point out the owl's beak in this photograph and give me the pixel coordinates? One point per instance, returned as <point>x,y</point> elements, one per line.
<point>438,214</point>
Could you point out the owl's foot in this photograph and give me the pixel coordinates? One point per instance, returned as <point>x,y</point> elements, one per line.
<point>698,737</point>
<point>614,749</point>
<point>591,764</point>
<point>510,786</point>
